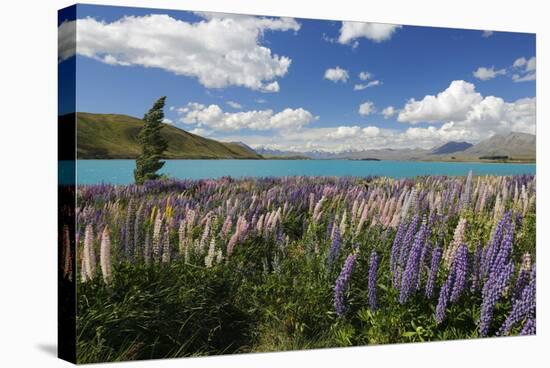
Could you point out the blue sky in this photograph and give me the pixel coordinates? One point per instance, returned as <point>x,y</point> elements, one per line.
<point>294,84</point>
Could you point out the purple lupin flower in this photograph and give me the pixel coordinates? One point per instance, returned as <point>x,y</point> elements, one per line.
<point>129,231</point>
<point>455,283</point>
<point>523,277</point>
<point>423,260</point>
<point>408,241</point>
<point>373,269</point>
<point>492,292</point>
<point>342,284</point>
<point>492,249</point>
<point>395,250</point>
<point>434,268</point>
<point>408,280</point>
<point>138,232</point>
<point>460,270</point>
<point>523,307</point>
<point>441,309</point>
<point>334,250</point>
<point>529,328</point>
<point>506,245</point>
<point>476,268</point>
<point>519,220</point>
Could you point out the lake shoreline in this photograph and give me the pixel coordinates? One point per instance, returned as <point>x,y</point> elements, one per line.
<point>121,171</point>
<point>523,162</point>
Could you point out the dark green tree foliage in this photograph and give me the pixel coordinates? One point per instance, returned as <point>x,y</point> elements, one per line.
<point>152,144</point>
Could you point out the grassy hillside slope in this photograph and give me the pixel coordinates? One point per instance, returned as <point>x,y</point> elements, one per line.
<point>112,136</point>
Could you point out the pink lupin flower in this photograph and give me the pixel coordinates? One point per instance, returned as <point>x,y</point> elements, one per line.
<point>362,220</point>
<point>242,227</point>
<point>232,242</point>
<point>226,227</point>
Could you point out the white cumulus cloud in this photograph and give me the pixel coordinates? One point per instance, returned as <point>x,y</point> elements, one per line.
<point>525,69</point>
<point>491,116</point>
<point>388,112</point>
<point>220,50</point>
<point>484,73</point>
<point>362,86</point>
<point>345,132</point>
<point>365,75</point>
<point>337,74</point>
<point>214,118</point>
<point>235,105</point>
<point>366,108</point>
<point>376,32</point>
<point>451,104</point>
<point>467,115</point>
<point>66,40</point>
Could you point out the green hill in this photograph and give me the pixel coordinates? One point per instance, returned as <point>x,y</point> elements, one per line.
<point>111,136</point>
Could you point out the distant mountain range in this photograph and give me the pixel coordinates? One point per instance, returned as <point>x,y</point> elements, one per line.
<point>451,147</point>
<point>515,145</point>
<point>110,136</point>
<point>512,147</point>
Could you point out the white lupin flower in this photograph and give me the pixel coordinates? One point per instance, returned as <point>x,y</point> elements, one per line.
<point>105,255</point>
<point>458,238</point>
<point>88,256</point>
<point>210,256</point>
<point>181,237</point>
<point>343,224</point>
<point>205,234</point>
<point>317,210</point>
<point>166,246</point>
<point>157,227</point>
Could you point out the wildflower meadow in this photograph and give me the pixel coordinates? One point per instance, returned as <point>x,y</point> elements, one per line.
<point>176,268</point>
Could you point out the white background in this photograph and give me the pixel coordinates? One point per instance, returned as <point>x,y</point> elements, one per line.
<point>28,103</point>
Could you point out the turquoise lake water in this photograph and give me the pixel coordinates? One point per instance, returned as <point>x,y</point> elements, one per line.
<point>121,171</point>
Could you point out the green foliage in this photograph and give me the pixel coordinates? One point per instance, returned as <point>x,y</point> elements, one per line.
<point>160,311</point>
<point>152,144</point>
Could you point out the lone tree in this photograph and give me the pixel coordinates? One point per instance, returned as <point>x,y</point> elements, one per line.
<point>152,144</point>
